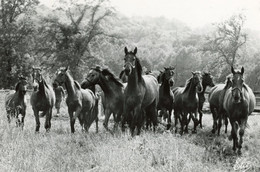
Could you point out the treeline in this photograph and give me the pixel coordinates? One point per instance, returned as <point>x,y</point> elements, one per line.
<point>82,35</point>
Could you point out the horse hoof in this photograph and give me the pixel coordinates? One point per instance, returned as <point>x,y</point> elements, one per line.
<point>213,131</point>
<point>194,131</point>
<point>230,137</point>
<point>239,152</point>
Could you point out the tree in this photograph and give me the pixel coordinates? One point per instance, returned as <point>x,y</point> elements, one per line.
<point>227,40</point>
<point>70,37</point>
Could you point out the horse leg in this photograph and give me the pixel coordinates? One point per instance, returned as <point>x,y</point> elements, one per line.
<point>37,119</point>
<point>47,124</point>
<point>233,136</point>
<point>200,117</point>
<point>107,116</point>
<point>214,116</point>
<point>132,126</point>
<point>169,120</point>
<point>72,121</point>
<point>226,122</point>
<point>184,122</point>
<point>241,133</point>
<point>96,120</point>
<point>139,118</point>
<point>176,116</point>
<point>23,116</point>
<point>220,117</point>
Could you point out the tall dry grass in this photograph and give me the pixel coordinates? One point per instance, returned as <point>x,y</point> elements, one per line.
<point>59,150</point>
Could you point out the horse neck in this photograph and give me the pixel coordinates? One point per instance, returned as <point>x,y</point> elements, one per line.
<point>204,86</point>
<point>41,86</point>
<point>109,87</point>
<point>93,89</point>
<point>192,90</point>
<point>69,84</point>
<point>20,95</point>
<point>165,86</point>
<point>134,79</point>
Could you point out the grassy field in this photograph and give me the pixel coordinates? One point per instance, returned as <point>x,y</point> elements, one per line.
<point>59,150</point>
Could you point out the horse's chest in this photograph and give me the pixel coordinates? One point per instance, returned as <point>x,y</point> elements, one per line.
<point>134,99</point>
<point>73,104</point>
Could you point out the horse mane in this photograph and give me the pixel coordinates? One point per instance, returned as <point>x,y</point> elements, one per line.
<point>245,86</point>
<point>121,73</point>
<point>139,69</point>
<point>106,72</point>
<point>44,82</point>
<point>77,84</point>
<point>187,85</point>
<point>17,86</point>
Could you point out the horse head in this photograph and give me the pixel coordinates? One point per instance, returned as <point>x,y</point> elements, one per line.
<point>237,84</point>
<point>21,86</point>
<point>207,79</point>
<point>37,77</point>
<point>61,76</point>
<point>130,61</point>
<point>196,80</point>
<point>92,77</point>
<point>168,75</point>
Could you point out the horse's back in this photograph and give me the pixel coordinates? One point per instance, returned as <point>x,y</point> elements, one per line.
<point>152,92</point>
<point>214,95</point>
<point>89,98</point>
<point>250,97</point>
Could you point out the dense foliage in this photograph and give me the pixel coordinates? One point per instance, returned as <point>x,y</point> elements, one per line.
<point>84,34</point>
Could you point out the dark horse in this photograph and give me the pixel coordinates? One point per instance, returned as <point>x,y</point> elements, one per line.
<point>239,103</point>
<point>215,98</point>
<point>186,102</point>
<point>141,94</point>
<point>15,103</point>
<point>42,99</point>
<point>79,101</point>
<point>165,94</point>
<point>206,81</point>
<point>113,92</point>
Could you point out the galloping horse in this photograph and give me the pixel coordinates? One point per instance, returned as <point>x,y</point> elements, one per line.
<point>165,94</point>
<point>206,81</point>
<point>113,92</point>
<point>15,103</point>
<point>141,94</point>
<point>186,102</point>
<point>216,97</point>
<point>42,99</point>
<point>79,101</point>
<point>239,103</point>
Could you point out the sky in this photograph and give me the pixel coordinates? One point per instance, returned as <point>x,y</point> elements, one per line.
<point>195,13</point>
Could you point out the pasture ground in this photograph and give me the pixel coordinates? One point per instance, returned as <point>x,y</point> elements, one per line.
<point>59,150</point>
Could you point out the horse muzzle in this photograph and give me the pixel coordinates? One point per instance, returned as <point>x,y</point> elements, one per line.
<point>85,84</point>
<point>171,82</point>
<point>127,71</point>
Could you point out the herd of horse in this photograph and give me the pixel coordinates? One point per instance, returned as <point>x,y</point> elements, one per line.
<point>138,99</point>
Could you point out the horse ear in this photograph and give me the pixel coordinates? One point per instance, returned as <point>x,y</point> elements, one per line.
<point>193,73</point>
<point>242,70</point>
<point>126,51</point>
<point>232,70</point>
<point>135,50</point>
<point>67,68</point>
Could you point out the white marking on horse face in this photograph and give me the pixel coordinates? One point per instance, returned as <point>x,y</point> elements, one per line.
<point>59,72</point>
